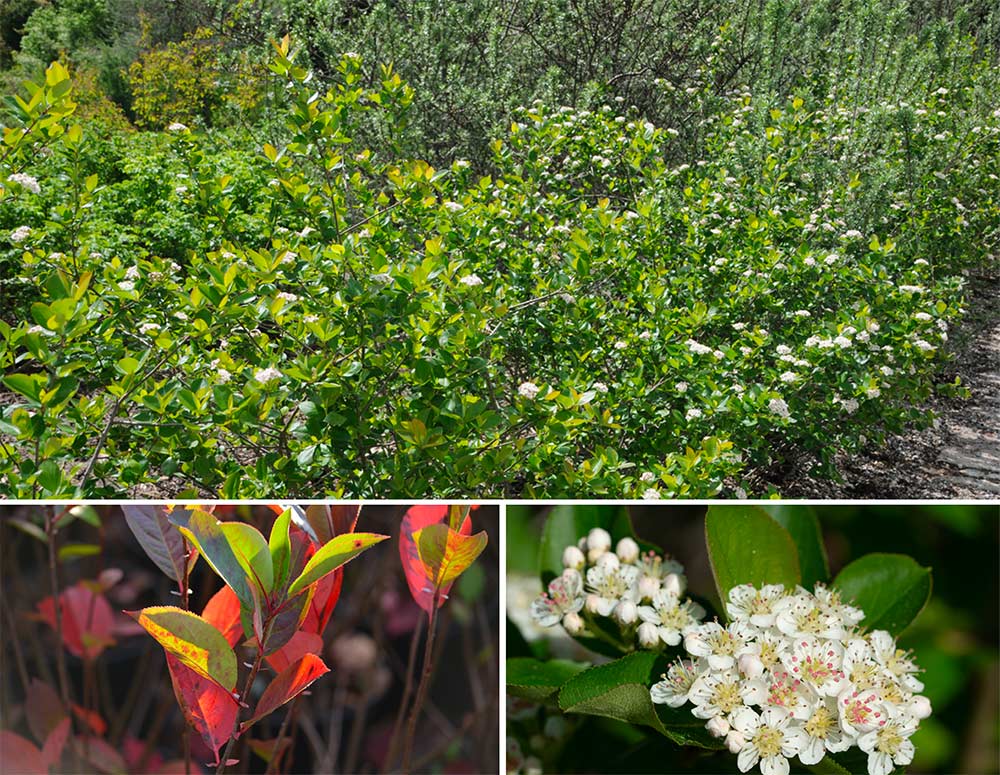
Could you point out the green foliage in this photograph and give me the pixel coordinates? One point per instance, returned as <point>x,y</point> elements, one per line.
<point>746,546</point>
<point>892,589</point>
<point>535,680</point>
<point>660,300</point>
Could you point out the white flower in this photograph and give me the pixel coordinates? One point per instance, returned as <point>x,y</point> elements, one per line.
<point>747,603</point>
<point>25,181</point>
<point>267,375</point>
<point>779,407</point>
<point>573,623</point>
<point>850,405</point>
<point>842,341</point>
<point>923,345</point>
<point>671,617</point>
<point>698,349</point>
<point>149,328</point>
<point>471,281</point>
<point>621,345</point>
<point>528,389</point>
<point>609,587</point>
<point>817,664</point>
<point>646,335</point>
<point>767,740</point>
<point>600,387</point>
<point>693,414</point>
<point>802,313</point>
<point>20,234</point>
<point>852,234</point>
<point>819,733</point>
<point>675,684</point>
<point>923,317</point>
<point>648,636</point>
<point>647,476</point>
<point>788,376</point>
<point>890,743</point>
<point>453,207</point>
<point>681,387</point>
<point>717,726</point>
<point>720,645</point>
<point>625,613</point>
<point>176,126</point>
<point>383,278</point>
<point>717,694</point>
<point>127,285</point>
<point>911,288</point>
<point>651,494</point>
<point>222,376</point>
<point>286,296</point>
<point>783,349</point>
<point>565,596</point>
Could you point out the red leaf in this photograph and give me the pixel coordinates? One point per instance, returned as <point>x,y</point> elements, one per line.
<point>302,643</point>
<point>223,612</point>
<point>421,585</point>
<point>92,719</point>
<point>54,744</point>
<point>20,755</point>
<point>101,755</point>
<point>209,708</point>
<point>43,708</point>
<point>87,620</point>
<point>291,681</point>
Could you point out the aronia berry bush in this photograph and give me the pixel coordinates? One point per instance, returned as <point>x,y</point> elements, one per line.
<point>614,309</point>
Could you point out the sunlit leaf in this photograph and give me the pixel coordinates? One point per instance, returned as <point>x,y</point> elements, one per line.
<point>291,681</point>
<point>192,640</point>
<point>281,548</point>
<point>332,555</point>
<point>209,708</point>
<point>223,612</point>
<point>207,534</point>
<point>446,553</point>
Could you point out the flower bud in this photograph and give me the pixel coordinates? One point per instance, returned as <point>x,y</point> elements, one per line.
<point>573,558</point>
<point>599,538</point>
<point>608,562</point>
<point>573,623</point>
<point>627,550</point>
<point>674,584</point>
<point>648,587</point>
<point>593,555</point>
<point>592,604</point>
<point>572,576</point>
<point>751,666</point>
<point>717,726</point>
<point>625,613</point>
<point>649,635</point>
<point>735,741</point>
<point>920,707</point>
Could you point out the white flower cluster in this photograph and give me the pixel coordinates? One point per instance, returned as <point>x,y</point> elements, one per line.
<point>642,592</point>
<point>792,675</point>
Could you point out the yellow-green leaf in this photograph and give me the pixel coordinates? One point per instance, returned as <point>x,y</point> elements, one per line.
<point>332,555</point>
<point>446,553</point>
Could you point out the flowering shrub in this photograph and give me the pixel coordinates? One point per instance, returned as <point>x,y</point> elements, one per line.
<point>594,317</point>
<point>783,673</point>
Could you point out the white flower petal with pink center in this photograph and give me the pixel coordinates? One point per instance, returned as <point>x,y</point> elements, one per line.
<point>565,595</point>
<point>767,739</point>
<point>675,684</point>
<point>817,664</point>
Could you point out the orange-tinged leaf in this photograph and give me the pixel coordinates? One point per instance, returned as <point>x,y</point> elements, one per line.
<point>223,612</point>
<point>92,719</point>
<point>419,578</point>
<point>192,640</point>
<point>208,708</point>
<point>20,755</point>
<point>332,555</point>
<point>445,553</point>
<point>87,620</point>
<point>301,643</point>
<point>291,681</point>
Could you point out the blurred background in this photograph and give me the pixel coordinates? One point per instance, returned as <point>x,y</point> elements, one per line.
<point>344,725</point>
<point>954,639</point>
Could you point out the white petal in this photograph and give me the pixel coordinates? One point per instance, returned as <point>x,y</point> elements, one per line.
<point>867,741</point>
<point>774,765</point>
<point>648,614</point>
<point>745,720</point>
<point>670,637</point>
<point>812,752</point>
<point>747,758</point>
<point>905,753</point>
<point>774,717</point>
<point>879,764</point>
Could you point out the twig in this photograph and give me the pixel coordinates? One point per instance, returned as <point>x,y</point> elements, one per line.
<point>425,680</point>
<point>281,733</point>
<point>243,697</point>
<point>50,532</point>
<point>400,715</point>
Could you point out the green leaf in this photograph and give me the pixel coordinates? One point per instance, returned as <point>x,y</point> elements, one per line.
<point>206,533</point>
<point>29,385</point>
<point>746,546</point>
<point>890,588</point>
<point>70,551</point>
<point>252,553</point>
<point>620,690</point>
<point>332,555</point>
<point>191,639</point>
<point>535,680</point>
<point>281,548</point>
<point>804,528</point>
